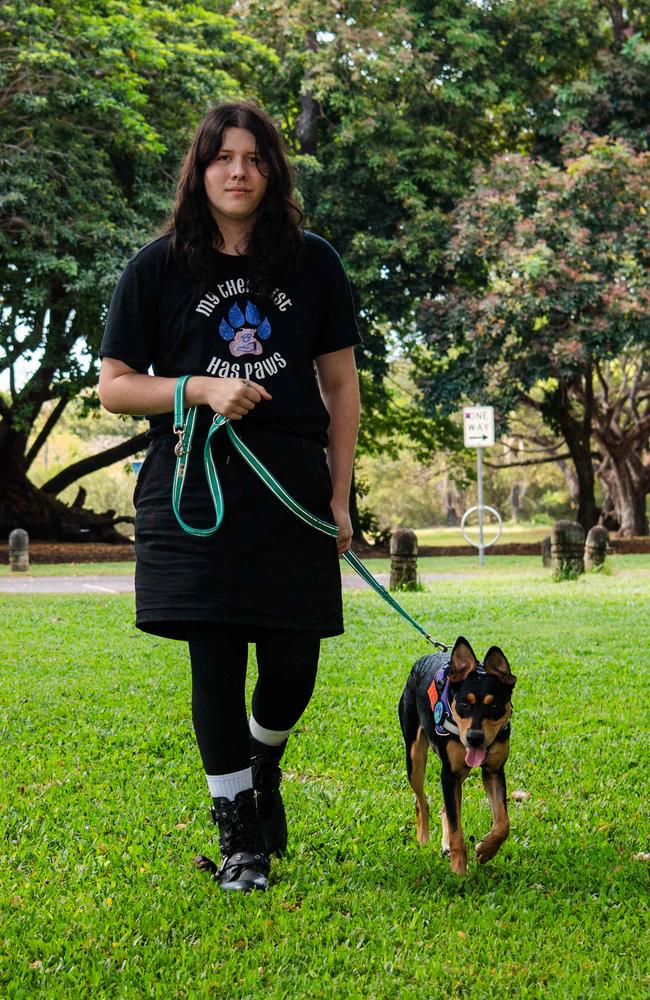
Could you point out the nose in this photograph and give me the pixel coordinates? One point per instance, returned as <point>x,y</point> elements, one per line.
<point>475,737</point>
<point>239,168</point>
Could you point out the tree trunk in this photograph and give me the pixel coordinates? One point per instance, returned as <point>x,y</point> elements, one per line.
<point>577,435</point>
<point>628,488</point>
<point>22,505</point>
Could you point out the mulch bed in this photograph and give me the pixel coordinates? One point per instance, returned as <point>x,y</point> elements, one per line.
<point>71,552</point>
<point>74,552</point>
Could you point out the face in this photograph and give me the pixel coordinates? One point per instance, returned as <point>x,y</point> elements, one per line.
<point>234,182</point>
<point>481,704</point>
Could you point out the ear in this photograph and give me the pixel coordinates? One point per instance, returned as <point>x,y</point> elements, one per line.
<point>463,661</point>
<point>495,663</point>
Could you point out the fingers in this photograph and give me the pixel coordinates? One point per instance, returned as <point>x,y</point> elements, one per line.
<point>234,398</point>
<point>342,520</point>
<point>343,543</point>
<point>256,391</point>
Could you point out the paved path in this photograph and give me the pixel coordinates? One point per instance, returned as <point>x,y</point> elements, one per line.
<point>19,584</point>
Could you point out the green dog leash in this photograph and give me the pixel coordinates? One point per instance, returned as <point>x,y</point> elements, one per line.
<point>184,424</point>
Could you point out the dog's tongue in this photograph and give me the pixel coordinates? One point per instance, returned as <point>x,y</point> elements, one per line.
<point>475,756</point>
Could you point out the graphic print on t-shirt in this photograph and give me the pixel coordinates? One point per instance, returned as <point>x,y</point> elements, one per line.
<point>242,330</point>
<point>245,330</point>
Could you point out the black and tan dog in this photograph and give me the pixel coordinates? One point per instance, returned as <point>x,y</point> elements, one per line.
<point>461,708</point>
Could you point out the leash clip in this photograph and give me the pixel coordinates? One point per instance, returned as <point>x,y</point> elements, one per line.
<point>179,449</point>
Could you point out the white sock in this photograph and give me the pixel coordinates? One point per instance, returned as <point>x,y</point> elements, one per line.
<point>226,786</point>
<point>270,737</point>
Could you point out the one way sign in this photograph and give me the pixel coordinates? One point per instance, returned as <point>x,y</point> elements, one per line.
<point>478,426</point>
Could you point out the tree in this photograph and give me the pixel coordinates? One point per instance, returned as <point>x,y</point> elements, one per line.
<point>550,286</point>
<point>99,100</point>
<point>388,108</point>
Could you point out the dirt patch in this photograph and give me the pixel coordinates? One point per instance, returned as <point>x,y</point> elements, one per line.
<point>73,552</point>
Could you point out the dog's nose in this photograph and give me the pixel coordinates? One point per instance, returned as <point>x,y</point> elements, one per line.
<point>475,737</point>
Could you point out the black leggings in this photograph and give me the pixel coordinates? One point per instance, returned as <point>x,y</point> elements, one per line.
<point>287,661</point>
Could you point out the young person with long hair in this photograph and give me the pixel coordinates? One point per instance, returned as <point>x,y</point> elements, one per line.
<point>259,314</point>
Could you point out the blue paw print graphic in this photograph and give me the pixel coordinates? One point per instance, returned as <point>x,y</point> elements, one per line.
<point>244,330</point>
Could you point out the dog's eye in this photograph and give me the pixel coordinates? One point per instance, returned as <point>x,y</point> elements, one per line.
<point>462,706</point>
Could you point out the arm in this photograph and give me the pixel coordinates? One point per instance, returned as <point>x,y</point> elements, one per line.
<point>123,390</point>
<point>339,386</point>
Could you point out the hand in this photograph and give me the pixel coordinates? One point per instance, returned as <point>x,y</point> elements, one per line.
<point>341,515</point>
<point>231,397</point>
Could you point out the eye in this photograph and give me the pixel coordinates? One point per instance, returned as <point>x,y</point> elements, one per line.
<point>462,705</point>
<point>495,710</point>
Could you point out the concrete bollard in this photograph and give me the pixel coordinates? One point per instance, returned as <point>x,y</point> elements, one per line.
<point>19,551</point>
<point>567,550</point>
<point>596,547</point>
<point>546,551</point>
<point>403,559</point>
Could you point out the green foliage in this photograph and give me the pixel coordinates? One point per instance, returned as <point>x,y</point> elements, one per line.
<point>99,102</point>
<point>551,268</point>
<point>105,804</point>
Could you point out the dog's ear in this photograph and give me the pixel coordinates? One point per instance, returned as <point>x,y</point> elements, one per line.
<point>495,663</point>
<point>463,661</point>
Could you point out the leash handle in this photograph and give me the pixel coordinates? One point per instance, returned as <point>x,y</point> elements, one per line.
<point>184,427</point>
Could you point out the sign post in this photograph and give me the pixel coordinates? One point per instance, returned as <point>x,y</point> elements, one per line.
<point>478,432</point>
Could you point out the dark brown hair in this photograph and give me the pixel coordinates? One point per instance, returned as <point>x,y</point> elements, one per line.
<point>277,235</point>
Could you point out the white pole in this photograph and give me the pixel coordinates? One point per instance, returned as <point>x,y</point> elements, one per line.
<point>479,481</point>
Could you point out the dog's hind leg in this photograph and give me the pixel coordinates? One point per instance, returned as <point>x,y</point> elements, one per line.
<point>445,831</point>
<point>419,754</point>
<point>494,783</point>
<point>417,748</point>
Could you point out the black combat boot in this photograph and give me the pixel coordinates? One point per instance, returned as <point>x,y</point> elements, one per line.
<point>265,763</point>
<point>245,863</point>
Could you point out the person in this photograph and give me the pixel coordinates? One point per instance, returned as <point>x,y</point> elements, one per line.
<point>259,313</point>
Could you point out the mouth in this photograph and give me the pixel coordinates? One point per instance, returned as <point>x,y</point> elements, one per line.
<point>475,756</point>
<point>238,190</point>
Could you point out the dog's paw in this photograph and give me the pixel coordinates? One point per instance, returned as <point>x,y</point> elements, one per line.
<point>487,848</point>
<point>458,862</point>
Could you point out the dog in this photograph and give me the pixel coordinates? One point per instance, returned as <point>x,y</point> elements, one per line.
<point>461,708</point>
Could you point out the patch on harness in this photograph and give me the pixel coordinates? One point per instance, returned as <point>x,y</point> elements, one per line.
<point>432,691</point>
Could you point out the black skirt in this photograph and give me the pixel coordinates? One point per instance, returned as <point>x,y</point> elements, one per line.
<point>263,567</point>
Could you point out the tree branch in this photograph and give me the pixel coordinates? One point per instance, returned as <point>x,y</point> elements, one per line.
<point>532,461</point>
<point>45,431</point>
<point>94,462</point>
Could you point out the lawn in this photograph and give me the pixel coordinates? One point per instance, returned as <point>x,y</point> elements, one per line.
<point>103,806</point>
<point>511,533</point>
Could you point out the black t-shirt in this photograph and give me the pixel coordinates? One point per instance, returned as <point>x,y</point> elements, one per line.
<point>158,322</point>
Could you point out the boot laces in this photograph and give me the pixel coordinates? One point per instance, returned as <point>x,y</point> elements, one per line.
<point>238,830</point>
<point>267,773</point>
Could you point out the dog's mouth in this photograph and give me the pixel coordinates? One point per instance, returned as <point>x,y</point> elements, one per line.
<point>475,756</point>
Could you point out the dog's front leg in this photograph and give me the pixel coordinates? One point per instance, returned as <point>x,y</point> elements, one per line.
<point>452,795</point>
<point>494,782</point>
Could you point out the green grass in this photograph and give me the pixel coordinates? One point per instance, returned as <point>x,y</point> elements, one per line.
<point>103,804</point>
<point>511,533</point>
<point>462,565</point>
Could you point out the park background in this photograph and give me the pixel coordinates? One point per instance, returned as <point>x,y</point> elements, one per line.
<point>483,169</point>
